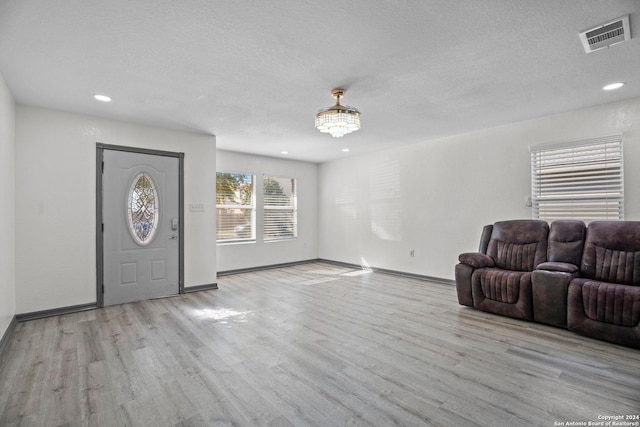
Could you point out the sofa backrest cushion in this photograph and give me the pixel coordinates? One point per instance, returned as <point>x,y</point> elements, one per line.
<point>566,241</point>
<point>519,245</point>
<point>612,252</point>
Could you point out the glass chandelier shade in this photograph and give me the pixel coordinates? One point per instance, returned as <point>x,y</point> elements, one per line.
<point>338,120</point>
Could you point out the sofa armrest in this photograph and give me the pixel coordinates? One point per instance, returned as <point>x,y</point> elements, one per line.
<point>563,267</point>
<point>463,284</point>
<point>476,260</point>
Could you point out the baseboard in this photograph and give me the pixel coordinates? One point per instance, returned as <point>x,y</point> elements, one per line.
<point>434,279</point>
<point>199,288</point>
<point>55,312</point>
<point>4,341</point>
<point>265,267</point>
<point>440,280</point>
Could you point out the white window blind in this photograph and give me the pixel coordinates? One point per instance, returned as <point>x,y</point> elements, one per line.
<point>578,180</point>
<point>280,208</point>
<point>235,207</point>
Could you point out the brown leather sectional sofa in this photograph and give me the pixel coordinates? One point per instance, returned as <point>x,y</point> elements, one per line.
<point>584,278</point>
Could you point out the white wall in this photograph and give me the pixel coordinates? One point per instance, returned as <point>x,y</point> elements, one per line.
<point>434,197</point>
<point>56,197</point>
<point>7,211</point>
<point>305,247</point>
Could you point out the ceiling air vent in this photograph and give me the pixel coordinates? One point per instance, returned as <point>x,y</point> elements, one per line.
<point>606,35</point>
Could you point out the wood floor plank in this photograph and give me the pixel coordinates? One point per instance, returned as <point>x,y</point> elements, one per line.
<point>309,345</point>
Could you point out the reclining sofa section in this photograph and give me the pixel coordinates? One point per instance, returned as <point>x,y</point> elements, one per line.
<point>586,279</point>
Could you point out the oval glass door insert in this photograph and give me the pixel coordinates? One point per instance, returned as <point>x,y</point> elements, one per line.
<point>142,209</point>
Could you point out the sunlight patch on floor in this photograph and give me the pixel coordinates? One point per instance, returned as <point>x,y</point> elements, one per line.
<point>318,280</point>
<point>220,314</point>
<point>330,271</point>
<point>356,273</point>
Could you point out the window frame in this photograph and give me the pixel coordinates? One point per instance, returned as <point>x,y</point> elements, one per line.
<point>581,180</point>
<point>292,207</point>
<point>237,206</point>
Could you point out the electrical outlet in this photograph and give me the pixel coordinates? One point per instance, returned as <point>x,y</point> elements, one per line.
<point>196,207</point>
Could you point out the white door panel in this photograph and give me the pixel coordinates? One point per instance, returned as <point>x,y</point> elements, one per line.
<point>140,208</point>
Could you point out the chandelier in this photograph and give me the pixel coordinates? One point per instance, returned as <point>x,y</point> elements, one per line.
<point>338,120</point>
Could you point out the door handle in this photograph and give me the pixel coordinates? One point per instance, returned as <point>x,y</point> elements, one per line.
<point>174,224</point>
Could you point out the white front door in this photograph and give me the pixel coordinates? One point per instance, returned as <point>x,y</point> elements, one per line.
<point>140,213</point>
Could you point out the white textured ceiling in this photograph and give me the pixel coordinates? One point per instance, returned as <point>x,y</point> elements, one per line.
<point>254,73</point>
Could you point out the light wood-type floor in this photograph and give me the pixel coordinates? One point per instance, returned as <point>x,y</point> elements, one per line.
<point>309,345</point>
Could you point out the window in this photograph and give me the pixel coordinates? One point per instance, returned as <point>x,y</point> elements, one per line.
<point>578,180</point>
<point>235,206</point>
<point>280,208</point>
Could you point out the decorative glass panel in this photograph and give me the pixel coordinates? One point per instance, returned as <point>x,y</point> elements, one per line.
<point>142,207</point>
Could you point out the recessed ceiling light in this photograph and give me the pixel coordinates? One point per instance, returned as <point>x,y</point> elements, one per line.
<point>346,150</point>
<point>102,98</point>
<point>284,152</point>
<point>613,86</point>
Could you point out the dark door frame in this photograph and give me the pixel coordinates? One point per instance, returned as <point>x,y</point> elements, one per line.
<point>100,147</point>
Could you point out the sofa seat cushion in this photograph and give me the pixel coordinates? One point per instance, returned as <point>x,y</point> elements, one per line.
<point>502,292</point>
<point>502,285</point>
<point>611,303</point>
<point>606,311</point>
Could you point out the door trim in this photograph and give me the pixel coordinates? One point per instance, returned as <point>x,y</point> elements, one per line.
<point>100,147</point>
